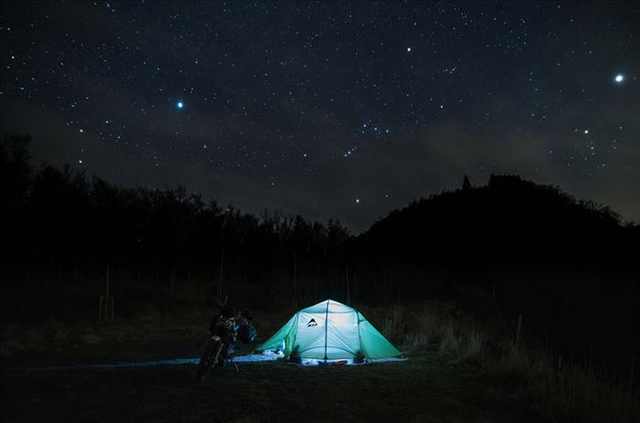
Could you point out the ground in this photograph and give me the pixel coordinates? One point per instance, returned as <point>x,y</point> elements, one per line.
<point>426,388</point>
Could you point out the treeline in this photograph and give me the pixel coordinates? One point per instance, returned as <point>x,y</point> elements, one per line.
<point>62,228</point>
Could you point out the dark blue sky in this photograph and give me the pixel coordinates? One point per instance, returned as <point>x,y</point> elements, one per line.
<point>329,109</point>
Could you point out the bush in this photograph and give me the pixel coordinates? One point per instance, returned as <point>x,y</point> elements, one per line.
<point>559,391</point>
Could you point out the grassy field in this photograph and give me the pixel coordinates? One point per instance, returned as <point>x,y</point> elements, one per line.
<point>456,372</point>
<point>422,389</point>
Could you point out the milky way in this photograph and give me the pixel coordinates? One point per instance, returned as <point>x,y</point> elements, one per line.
<point>329,109</point>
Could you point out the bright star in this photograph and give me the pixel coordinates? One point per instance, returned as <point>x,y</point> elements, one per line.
<point>619,78</point>
<point>180,104</point>
<point>409,49</point>
<point>357,201</point>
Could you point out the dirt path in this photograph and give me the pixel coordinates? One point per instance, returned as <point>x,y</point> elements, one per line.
<point>423,389</point>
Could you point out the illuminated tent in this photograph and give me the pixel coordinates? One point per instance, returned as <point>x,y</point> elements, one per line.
<point>329,331</point>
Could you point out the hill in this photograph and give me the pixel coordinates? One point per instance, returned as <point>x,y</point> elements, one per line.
<point>519,250</point>
<point>509,222</point>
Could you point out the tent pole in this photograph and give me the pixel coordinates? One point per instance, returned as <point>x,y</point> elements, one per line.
<point>326,326</point>
<point>358,327</point>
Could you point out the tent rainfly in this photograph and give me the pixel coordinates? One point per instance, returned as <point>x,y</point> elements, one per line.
<point>329,331</point>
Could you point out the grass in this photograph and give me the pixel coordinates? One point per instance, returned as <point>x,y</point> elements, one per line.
<point>458,371</point>
<point>561,393</point>
<point>422,389</point>
<point>564,393</point>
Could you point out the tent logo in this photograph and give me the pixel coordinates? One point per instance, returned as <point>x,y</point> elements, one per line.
<point>312,323</point>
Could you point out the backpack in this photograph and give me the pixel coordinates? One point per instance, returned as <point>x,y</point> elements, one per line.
<point>247,333</point>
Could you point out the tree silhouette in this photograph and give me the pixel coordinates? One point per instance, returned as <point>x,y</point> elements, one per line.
<point>466,184</point>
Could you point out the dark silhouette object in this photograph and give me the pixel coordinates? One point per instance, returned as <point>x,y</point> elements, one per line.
<point>212,357</point>
<point>514,248</point>
<point>225,329</point>
<point>466,184</point>
<point>106,302</point>
<point>246,330</point>
<point>16,177</point>
<point>15,170</point>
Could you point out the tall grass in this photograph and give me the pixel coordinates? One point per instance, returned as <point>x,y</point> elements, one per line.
<point>563,392</point>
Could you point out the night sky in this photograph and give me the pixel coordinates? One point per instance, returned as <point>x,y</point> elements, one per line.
<point>329,109</point>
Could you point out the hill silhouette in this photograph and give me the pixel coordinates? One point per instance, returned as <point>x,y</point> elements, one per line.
<point>510,221</point>
<point>519,249</point>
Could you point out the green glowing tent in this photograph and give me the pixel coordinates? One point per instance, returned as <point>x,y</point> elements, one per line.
<point>330,331</point>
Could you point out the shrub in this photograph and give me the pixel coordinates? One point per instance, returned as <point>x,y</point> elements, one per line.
<point>558,391</point>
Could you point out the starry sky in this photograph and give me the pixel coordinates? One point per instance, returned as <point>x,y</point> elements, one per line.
<point>329,109</point>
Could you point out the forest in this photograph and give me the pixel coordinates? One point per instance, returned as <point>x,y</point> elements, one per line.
<point>63,227</point>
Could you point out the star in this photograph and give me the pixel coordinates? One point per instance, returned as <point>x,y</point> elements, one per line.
<point>295,94</point>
